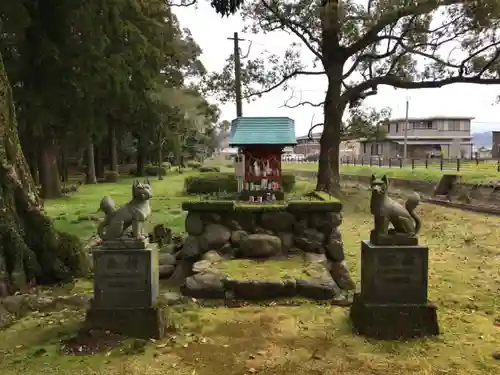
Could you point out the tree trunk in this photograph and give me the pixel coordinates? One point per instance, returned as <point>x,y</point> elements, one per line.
<point>99,165</point>
<point>64,164</point>
<point>31,250</point>
<point>49,170</point>
<point>329,167</point>
<point>91,177</point>
<point>141,155</point>
<point>113,154</point>
<point>160,161</point>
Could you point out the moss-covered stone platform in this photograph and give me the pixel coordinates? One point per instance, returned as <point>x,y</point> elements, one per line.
<point>299,240</point>
<point>244,279</point>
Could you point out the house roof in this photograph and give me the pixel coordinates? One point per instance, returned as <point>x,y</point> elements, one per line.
<point>262,131</point>
<point>315,135</point>
<point>431,118</point>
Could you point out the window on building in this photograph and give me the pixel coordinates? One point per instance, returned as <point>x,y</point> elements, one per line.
<point>364,147</point>
<point>454,125</point>
<point>467,126</point>
<point>397,128</point>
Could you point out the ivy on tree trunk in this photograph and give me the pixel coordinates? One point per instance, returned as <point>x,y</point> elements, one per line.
<point>31,250</point>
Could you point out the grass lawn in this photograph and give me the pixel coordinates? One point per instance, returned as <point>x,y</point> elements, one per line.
<point>464,281</point>
<point>480,174</point>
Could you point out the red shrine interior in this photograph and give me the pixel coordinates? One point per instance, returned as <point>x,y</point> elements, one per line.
<point>263,162</point>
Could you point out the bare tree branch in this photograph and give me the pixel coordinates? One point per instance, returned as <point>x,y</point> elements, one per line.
<point>285,78</point>
<point>300,103</point>
<point>420,7</point>
<point>294,28</point>
<point>183,3</point>
<point>309,134</point>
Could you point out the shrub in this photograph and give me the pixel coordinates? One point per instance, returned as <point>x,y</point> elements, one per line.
<point>111,176</point>
<point>155,170</point>
<point>209,169</point>
<point>213,182</point>
<point>193,164</point>
<point>288,182</point>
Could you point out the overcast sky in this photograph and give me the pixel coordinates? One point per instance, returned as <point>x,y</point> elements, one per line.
<point>211,33</point>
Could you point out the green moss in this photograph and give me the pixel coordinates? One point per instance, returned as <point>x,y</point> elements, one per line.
<point>322,196</point>
<point>236,206</point>
<point>260,207</point>
<point>214,205</point>
<point>314,206</point>
<point>269,270</point>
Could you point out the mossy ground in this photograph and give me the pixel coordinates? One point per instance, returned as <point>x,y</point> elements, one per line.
<point>267,270</point>
<point>464,280</point>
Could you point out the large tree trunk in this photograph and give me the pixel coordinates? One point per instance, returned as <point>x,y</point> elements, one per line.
<point>49,170</point>
<point>99,165</point>
<point>31,250</point>
<point>113,154</point>
<point>90,176</point>
<point>141,156</point>
<point>328,168</point>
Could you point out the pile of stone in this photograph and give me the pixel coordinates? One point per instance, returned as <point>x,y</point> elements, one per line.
<point>213,237</point>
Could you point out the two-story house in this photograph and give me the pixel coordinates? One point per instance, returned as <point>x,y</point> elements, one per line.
<point>305,146</point>
<point>425,137</point>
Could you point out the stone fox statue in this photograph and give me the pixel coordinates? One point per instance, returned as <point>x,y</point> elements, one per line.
<point>133,213</point>
<point>386,210</point>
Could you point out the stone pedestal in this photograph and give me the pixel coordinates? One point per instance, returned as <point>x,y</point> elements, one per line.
<point>126,286</point>
<point>393,300</point>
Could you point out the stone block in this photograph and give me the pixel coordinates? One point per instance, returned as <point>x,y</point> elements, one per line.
<point>142,323</point>
<point>125,278</point>
<point>393,321</point>
<point>394,274</point>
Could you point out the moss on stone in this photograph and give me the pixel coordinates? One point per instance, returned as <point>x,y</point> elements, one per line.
<point>260,207</point>
<point>212,205</point>
<point>268,270</point>
<point>314,206</point>
<point>322,196</point>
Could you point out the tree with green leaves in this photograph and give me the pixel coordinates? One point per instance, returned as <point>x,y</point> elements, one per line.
<point>359,46</point>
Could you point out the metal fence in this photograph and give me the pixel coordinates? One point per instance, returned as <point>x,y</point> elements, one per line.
<point>443,164</point>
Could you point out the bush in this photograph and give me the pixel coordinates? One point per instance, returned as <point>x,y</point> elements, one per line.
<point>288,182</point>
<point>154,170</point>
<point>111,176</point>
<point>209,169</point>
<point>193,164</point>
<point>212,182</point>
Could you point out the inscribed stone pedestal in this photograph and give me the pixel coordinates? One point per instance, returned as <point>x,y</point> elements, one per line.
<point>393,300</point>
<point>394,274</point>
<point>126,284</point>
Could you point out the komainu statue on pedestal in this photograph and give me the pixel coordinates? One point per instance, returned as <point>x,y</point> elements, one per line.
<point>405,223</point>
<point>132,214</point>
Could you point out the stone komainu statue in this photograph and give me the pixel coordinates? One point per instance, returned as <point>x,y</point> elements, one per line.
<point>386,210</point>
<point>133,213</point>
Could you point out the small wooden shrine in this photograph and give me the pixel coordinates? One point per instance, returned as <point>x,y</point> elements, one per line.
<point>261,141</point>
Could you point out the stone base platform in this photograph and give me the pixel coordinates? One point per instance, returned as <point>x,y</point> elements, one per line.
<point>394,321</point>
<point>243,279</point>
<point>141,323</point>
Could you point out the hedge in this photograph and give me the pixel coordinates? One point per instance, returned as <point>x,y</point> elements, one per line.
<point>219,182</point>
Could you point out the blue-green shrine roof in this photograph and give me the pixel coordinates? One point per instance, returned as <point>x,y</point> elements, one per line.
<point>262,130</point>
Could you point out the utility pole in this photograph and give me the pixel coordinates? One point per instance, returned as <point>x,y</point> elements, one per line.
<point>405,150</point>
<point>237,74</point>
